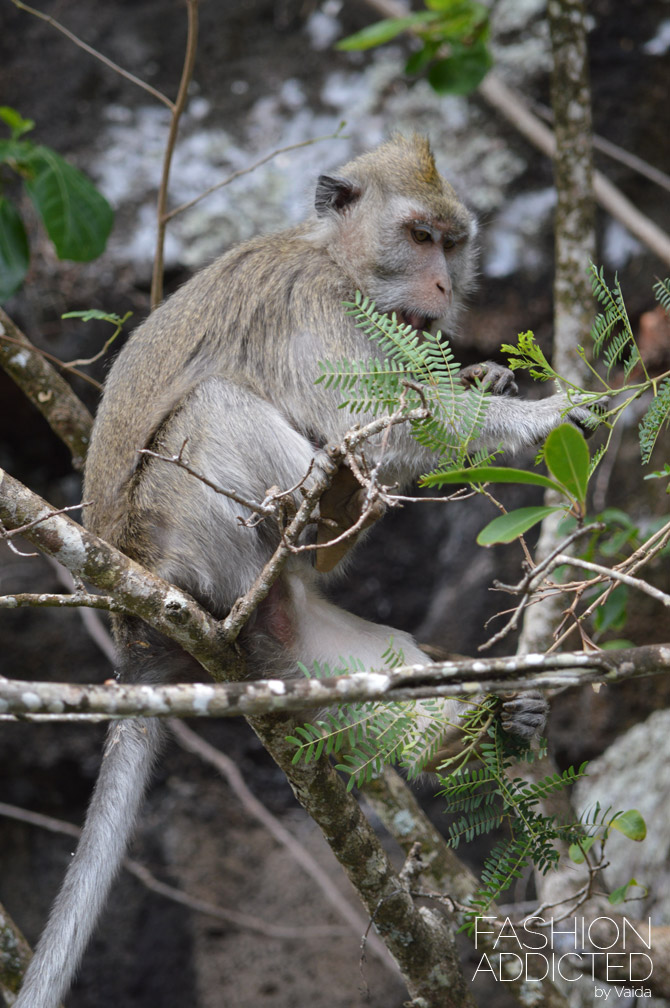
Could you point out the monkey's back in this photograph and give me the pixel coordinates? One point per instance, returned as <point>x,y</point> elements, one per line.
<point>251,317</point>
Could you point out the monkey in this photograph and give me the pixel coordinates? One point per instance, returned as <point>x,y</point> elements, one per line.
<point>228,365</point>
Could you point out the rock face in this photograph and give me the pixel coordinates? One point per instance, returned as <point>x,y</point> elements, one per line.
<point>614,779</point>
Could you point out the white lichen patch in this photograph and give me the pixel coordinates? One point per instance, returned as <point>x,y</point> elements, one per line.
<point>174,599</point>
<point>204,694</point>
<point>403,823</point>
<point>371,680</point>
<point>153,701</point>
<point>277,687</point>
<point>19,359</point>
<point>30,700</point>
<point>72,553</point>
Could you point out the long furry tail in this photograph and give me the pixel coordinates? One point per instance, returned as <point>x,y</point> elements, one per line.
<point>130,753</point>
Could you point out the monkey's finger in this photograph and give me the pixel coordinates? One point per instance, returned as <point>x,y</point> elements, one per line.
<point>587,418</point>
<point>493,377</point>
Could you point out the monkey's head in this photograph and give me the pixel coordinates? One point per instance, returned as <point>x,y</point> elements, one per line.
<point>399,231</point>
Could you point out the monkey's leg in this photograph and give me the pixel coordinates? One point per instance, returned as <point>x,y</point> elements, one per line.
<point>126,766</point>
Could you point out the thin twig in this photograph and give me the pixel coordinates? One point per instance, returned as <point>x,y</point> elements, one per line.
<point>94,52</point>
<point>177,109</point>
<point>530,584</point>
<point>266,507</point>
<point>74,601</point>
<point>246,171</point>
<point>193,743</point>
<point>64,365</point>
<point>148,879</point>
<point>21,529</point>
<point>353,439</point>
<point>617,153</point>
<point>611,573</point>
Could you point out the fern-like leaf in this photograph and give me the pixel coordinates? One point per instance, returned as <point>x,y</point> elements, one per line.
<point>655,419</point>
<point>662,294</point>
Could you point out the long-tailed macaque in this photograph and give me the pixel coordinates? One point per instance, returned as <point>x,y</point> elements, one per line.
<point>228,363</point>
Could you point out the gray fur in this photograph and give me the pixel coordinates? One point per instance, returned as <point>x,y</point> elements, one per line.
<point>229,363</point>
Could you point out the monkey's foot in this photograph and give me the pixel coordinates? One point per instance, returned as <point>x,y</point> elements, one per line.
<point>524,714</point>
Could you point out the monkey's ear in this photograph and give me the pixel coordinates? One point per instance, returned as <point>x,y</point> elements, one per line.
<point>334,193</point>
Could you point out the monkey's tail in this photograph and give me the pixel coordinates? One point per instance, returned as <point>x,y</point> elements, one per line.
<point>129,756</point>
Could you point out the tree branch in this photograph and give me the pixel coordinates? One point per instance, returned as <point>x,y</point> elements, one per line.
<point>47,390</point>
<point>464,679</point>
<point>163,606</point>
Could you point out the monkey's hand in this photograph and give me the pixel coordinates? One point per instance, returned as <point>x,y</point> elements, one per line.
<point>492,377</point>
<point>524,714</point>
<point>587,418</point>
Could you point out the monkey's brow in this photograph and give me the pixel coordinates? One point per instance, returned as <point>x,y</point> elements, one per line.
<point>453,228</point>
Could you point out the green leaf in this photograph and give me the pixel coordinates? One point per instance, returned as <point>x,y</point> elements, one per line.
<point>530,357</point>
<point>17,124</point>
<point>577,852</point>
<point>611,615</point>
<point>509,527</point>
<point>15,151</point>
<point>631,824</point>
<point>14,251</point>
<point>77,217</point>
<point>567,456</point>
<point>97,315</point>
<point>620,894</point>
<point>660,473</point>
<point>384,31</point>
<point>421,58</point>
<point>461,72</point>
<point>488,474</point>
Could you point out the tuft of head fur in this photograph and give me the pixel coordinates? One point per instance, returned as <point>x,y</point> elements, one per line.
<point>402,165</point>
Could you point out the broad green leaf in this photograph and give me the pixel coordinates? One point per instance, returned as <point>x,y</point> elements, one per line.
<point>461,72</point>
<point>620,894</point>
<point>509,527</point>
<point>14,251</point>
<point>489,474</point>
<point>17,124</point>
<point>567,457</point>
<point>611,615</point>
<point>455,8</point>
<point>421,58</point>
<point>384,31</point>
<point>631,824</point>
<point>14,150</point>
<point>576,852</point>
<point>77,217</point>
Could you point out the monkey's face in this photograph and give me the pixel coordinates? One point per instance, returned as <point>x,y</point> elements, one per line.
<point>397,229</point>
<point>422,264</point>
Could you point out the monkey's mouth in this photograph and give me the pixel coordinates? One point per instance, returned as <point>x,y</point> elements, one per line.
<point>417,320</point>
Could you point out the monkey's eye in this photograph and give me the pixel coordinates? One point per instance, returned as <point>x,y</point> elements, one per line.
<point>449,243</point>
<point>420,235</point>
